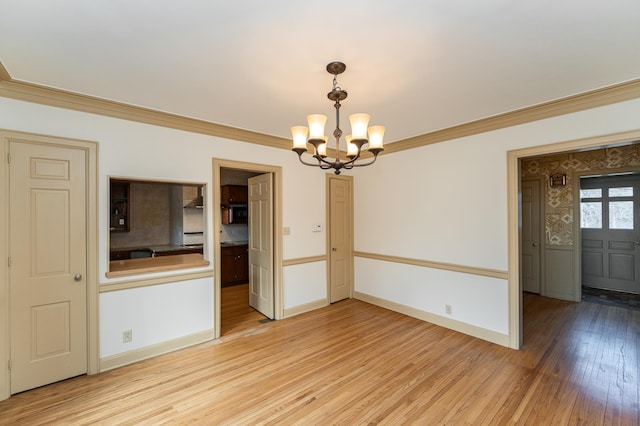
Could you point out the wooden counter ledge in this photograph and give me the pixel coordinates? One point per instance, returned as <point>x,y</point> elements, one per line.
<point>121,268</point>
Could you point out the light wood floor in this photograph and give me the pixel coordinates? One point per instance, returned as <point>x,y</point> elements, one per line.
<point>354,363</point>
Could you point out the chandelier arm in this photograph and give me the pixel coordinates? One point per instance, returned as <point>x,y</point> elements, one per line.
<point>310,164</point>
<point>353,164</point>
<point>337,94</point>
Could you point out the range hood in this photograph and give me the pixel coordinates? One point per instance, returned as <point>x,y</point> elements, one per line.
<point>196,203</point>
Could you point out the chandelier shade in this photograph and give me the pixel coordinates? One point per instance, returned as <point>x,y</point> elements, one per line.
<point>361,133</point>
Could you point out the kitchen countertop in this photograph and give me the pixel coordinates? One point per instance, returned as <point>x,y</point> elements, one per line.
<point>233,243</point>
<point>171,247</point>
<point>121,268</point>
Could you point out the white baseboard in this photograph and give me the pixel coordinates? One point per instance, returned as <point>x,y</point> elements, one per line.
<point>462,327</point>
<point>125,358</point>
<point>307,307</point>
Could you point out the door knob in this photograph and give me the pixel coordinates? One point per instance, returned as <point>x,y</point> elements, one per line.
<point>334,249</point>
<point>77,277</point>
<point>535,244</point>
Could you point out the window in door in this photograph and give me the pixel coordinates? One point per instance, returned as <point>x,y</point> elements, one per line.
<point>610,232</point>
<point>613,207</point>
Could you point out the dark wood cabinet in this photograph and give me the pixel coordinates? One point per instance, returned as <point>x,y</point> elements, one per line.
<point>234,265</point>
<point>184,250</point>
<point>119,192</point>
<point>233,194</point>
<point>234,199</point>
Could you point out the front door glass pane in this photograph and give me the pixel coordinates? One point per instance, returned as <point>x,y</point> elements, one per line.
<point>626,191</point>
<point>621,215</point>
<point>591,193</point>
<point>591,215</point>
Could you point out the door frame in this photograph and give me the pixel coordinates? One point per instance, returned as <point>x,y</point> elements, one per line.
<point>513,192</point>
<point>349,179</point>
<point>276,171</point>
<point>90,149</point>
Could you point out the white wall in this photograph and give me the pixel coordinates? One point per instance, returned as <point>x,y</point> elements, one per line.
<point>447,202</point>
<point>444,202</point>
<point>153,316</point>
<point>130,149</point>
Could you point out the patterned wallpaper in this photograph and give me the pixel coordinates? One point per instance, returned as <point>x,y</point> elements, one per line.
<point>558,202</point>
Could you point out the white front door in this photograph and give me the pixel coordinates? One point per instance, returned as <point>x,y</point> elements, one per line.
<point>340,238</point>
<point>48,256</point>
<point>531,236</point>
<point>261,295</point>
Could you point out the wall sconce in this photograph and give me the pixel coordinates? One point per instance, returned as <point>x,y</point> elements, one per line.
<point>558,179</point>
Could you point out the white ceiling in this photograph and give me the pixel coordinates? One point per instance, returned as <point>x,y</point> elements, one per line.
<point>414,65</point>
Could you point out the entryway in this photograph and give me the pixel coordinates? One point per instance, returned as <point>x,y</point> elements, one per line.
<point>261,238</point>
<point>556,253</point>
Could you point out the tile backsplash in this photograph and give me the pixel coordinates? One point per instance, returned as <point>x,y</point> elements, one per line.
<point>234,233</point>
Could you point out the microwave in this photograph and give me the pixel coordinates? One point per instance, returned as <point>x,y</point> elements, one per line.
<point>237,213</point>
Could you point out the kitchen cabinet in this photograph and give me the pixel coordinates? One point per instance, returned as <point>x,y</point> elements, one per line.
<point>233,199</point>
<point>234,194</point>
<point>234,265</point>
<point>119,192</point>
<point>177,250</point>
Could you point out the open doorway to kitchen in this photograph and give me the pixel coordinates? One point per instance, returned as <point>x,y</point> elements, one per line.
<point>247,245</point>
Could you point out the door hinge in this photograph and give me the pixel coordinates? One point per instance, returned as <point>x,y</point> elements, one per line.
<point>9,157</point>
<point>9,364</point>
<point>9,262</point>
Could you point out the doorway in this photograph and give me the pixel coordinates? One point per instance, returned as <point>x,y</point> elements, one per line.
<point>561,248</point>
<point>236,300</point>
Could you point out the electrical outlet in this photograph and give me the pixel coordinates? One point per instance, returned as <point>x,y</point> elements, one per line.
<point>127,336</point>
<point>447,309</point>
<point>286,230</point>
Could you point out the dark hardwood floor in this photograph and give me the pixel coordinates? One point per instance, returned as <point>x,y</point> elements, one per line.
<point>354,363</point>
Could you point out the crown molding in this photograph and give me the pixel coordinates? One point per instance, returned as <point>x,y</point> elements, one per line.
<point>30,92</point>
<point>4,74</point>
<point>63,99</point>
<point>595,98</point>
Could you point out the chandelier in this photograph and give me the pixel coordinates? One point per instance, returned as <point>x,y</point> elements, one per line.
<point>314,134</point>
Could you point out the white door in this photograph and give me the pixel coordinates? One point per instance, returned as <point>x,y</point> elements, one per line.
<point>609,209</point>
<point>340,239</point>
<point>261,244</point>
<point>531,236</point>
<point>47,215</point>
